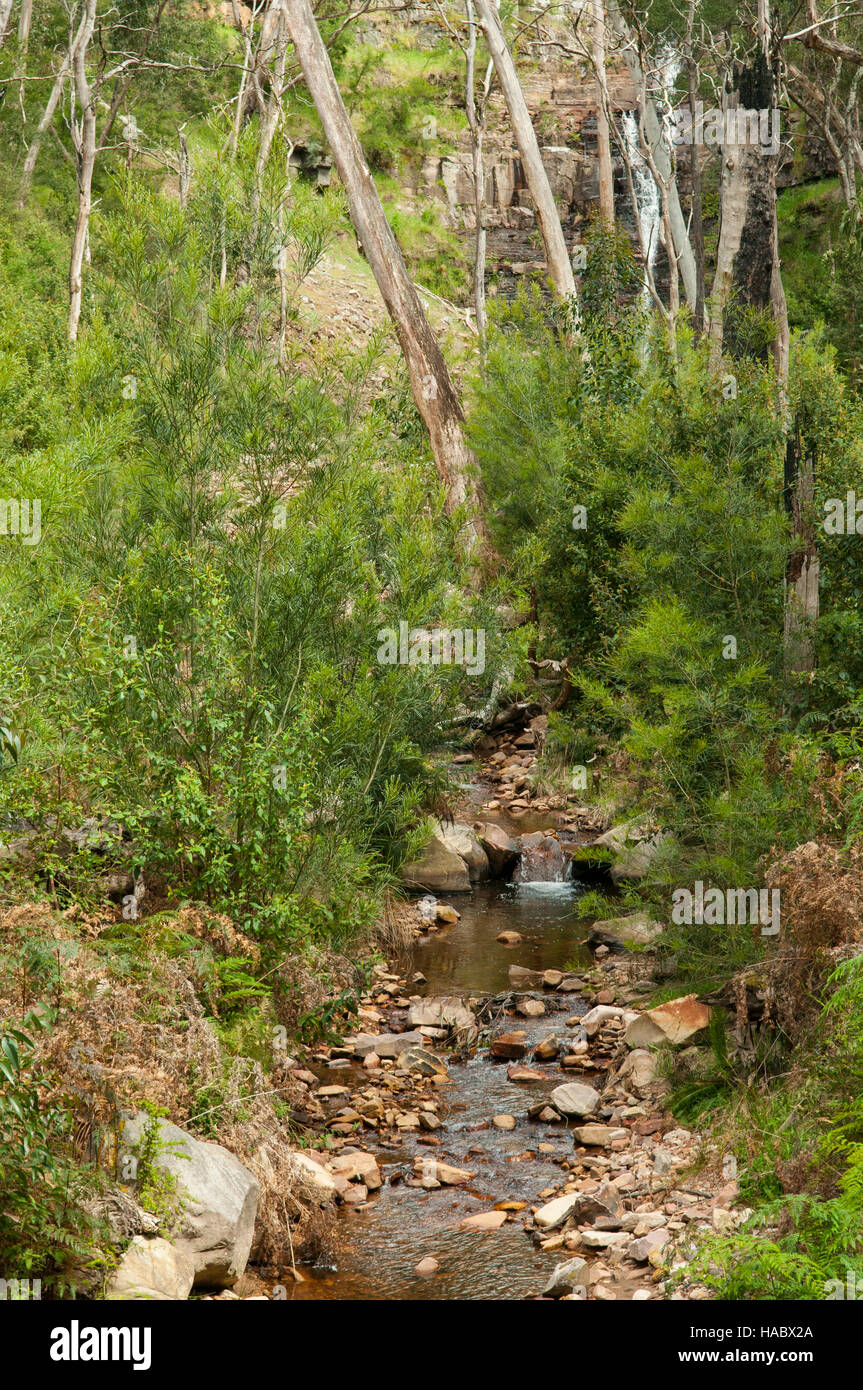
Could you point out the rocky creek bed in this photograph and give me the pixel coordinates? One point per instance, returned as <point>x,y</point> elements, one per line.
<point>537,1157</point>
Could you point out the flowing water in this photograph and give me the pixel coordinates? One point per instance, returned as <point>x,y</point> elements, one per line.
<point>381,1243</point>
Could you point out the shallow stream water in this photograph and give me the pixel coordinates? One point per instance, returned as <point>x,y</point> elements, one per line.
<point>383,1241</point>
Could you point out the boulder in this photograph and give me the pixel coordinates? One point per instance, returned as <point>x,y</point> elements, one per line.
<point>575,1099</point>
<point>573,1274</point>
<point>509,1047</point>
<point>502,852</point>
<point>384,1044</point>
<point>633,850</point>
<point>639,1068</point>
<point>675,1022</point>
<point>437,868</point>
<point>523,978</point>
<point>463,841</point>
<point>445,1012</point>
<point>421,1060</point>
<point>640,1250</point>
<point>354,1166</point>
<point>639,928</point>
<point>593,1136</point>
<point>152,1269</point>
<point>593,1020</point>
<point>315,1177</point>
<point>509,938</point>
<point>442,1172</point>
<point>530,1008</point>
<point>219,1199</point>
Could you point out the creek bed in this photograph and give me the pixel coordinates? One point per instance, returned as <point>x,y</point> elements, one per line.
<point>381,1243</point>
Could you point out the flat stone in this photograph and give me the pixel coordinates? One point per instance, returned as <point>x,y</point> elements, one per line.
<point>152,1269</point>
<point>554,1213</point>
<point>675,1022</point>
<point>530,1008</point>
<point>640,1250</point>
<point>509,1046</point>
<point>594,1136</point>
<point>483,1221</point>
<point>517,1073</point>
<point>427,1267</point>
<point>504,1122</point>
<point>442,1172</point>
<point>509,938</point>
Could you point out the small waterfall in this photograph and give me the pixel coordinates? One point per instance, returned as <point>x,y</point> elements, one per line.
<point>647,195</point>
<point>542,860</point>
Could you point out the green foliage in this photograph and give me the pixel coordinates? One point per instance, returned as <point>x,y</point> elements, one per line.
<point>43,1228</point>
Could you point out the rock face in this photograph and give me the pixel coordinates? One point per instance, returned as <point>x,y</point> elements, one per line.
<point>575,1099</point>
<point>439,869</point>
<point>219,1197</point>
<point>674,1022</point>
<point>152,1269</point>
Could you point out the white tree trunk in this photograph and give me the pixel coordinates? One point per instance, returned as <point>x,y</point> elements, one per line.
<point>476,125</point>
<point>603,142</point>
<point>661,157</point>
<point>432,388</point>
<point>5,15</point>
<point>84,139</point>
<point>557,255</point>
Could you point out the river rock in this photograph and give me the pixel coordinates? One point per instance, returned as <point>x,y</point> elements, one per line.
<point>575,1099</point>
<point>593,1020</point>
<point>463,841</point>
<point>548,1049</point>
<point>445,915</point>
<point>639,928</point>
<point>551,979</point>
<point>483,1221</point>
<point>675,1022</point>
<point>427,1266</point>
<point>517,1073</point>
<point>530,1008</point>
<point>354,1166</point>
<point>554,1213</point>
<point>219,1196</point>
<point>501,850</point>
<point>440,1013</point>
<point>442,1172</point>
<point>640,1250</point>
<point>384,1044</point>
<point>509,1047</point>
<point>594,1136</point>
<point>314,1177</point>
<point>152,1269</point>
<point>639,1068</point>
<point>523,978</point>
<point>504,1122</point>
<point>438,869</point>
<point>509,938</point>
<point>573,1274</point>
<point>419,1059</point>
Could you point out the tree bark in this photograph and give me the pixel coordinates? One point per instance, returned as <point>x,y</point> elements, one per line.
<point>47,116</point>
<point>476,126</point>
<point>432,388</point>
<point>603,142</point>
<point>5,15</point>
<point>557,255</point>
<point>84,139</point>
<point>697,220</point>
<point>802,601</point>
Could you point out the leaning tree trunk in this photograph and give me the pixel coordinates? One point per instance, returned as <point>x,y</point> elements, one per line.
<point>557,256</point>
<point>431,385</point>
<point>476,126</point>
<point>84,138</point>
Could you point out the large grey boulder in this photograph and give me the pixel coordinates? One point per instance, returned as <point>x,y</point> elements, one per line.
<point>464,841</point>
<point>502,851</point>
<point>437,868</point>
<point>445,1012</point>
<point>152,1269</point>
<point>219,1199</point>
<point>574,1274</point>
<point>575,1099</point>
<point>634,851</point>
<point>639,929</point>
